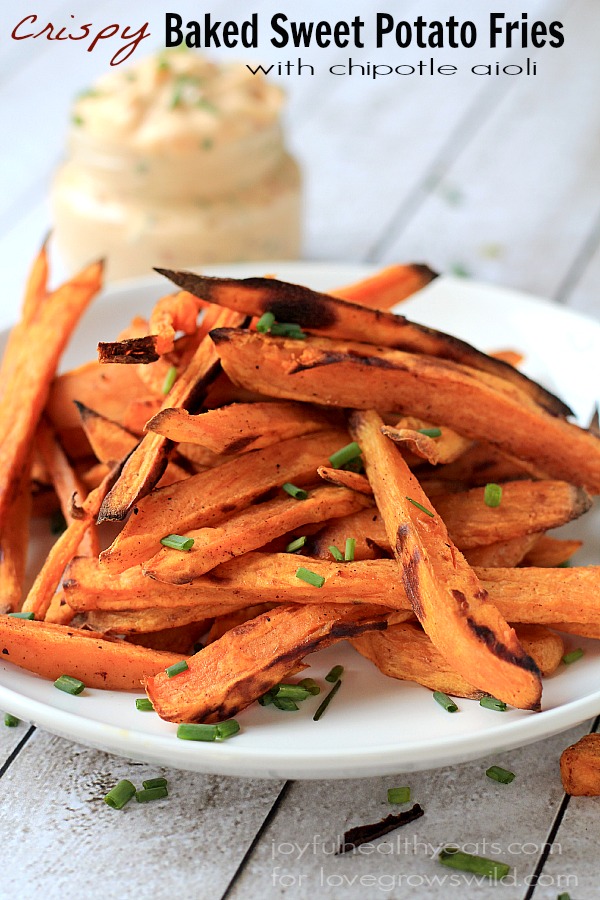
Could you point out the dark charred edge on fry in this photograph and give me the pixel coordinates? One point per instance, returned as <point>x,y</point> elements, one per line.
<point>313,310</point>
<point>111,513</point>
<point>158,419</point>
<point>132,351</point>
<point>501,651</point>
<point>89,416</point>
<point>426,273</point>
<point>582,502</point>
<point>410,572</point>
<point>238,445</point>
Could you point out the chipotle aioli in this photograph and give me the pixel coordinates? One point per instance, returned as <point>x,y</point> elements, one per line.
<point>177,161</point>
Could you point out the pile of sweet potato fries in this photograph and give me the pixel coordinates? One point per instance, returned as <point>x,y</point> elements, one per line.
<point>218,422</point>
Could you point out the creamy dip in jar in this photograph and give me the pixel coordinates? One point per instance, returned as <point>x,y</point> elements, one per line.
<point>177,161</point>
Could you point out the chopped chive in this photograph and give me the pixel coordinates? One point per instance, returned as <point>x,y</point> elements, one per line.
<point>467,862</point>
<point>296,545</point>
<point>177,542</point>
<point>295,492</point>
<point>564,896</point>
<point>445,701</point>
<point>492,703</point>
<point>572,657</point>
<point>289,330</point>
<point>177,668</point>
<point>337,555</point>
<point>291,692</point>
<point>58,523</point>
<point>149,794</point>
<point>492,495</point>
<point>398,795</point>
<point>227,729</point>
<point>344,455</point>
<point>69,685</point>
<point>264,323</point>
<point>334,674</point>
<point>285,703</point>
<point>268,697</point>
<point>23,615</point>
<point>350,549</point>
<point>121,794</point>
<point>420,506</point>
<point>326,701</point>
<point>170,379</point>
<point>497,773</point>
<point>430,432</point>
<point>154,783</point>
<point>310,577</point>
<point>10,721</point>
<point>193,732</point>
<point>143,704</point>
<point>310,685</point>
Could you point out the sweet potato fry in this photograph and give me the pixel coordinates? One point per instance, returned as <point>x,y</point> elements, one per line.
<point>548,552</point>
<point>477,405</point>
<point>52,650</point>
<point>365,526</point>
<point>248,530</point>
<point>239,427</point>
<point>28,383</point>
<point>148,461</point>
<point>59,612</point>
<point>408,434</point>
<point>65,482</point>
<point>404,651</point>
<point>544,646</point>
<point>483,463</point>
<point>332,317</point>
<point>13,547</point>
<point>354,481</point>
<point>207,498</point>
<point>222,624</point>
<point>506,553</point>
<point>179,640</point>
<point>387,287</point>
<point>110,441</point>
<point>151,620</point>
<point>580,767</point>
<point>444,591</point>
<point>231,673</point>
<point>48,578</point>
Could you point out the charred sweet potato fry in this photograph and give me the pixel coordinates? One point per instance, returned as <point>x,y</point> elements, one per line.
<point>444,591</point>
<point>476,404</point>
<point>580,767</point>
<point>209,497</point>
<point>52,650</point>
<point>388,286</point>
<point>146,464</point>
<point>28,383</point>
<point>232,672</point>
<point>248,530</point>
<point>331,317</point>
<point>239,427</point>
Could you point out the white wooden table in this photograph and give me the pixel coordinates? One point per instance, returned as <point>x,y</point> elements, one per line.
<point>498,178</point>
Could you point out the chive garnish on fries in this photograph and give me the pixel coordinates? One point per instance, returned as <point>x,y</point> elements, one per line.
<point>143,704</point>
<point>445,701</point>
<point>170,379</point>
<point>493,703</point>
<point>69,685</point>
<point>296,544</point>
<point>294,491</point>
<point>420,506</point>
<point>337,554</point>
<point>310,577</point>
<point>177,542</point>
<point>345,455</point>
<point>492,495</point>
<point>334,674</point>
<point>326,701</point>
<point>572,657</point>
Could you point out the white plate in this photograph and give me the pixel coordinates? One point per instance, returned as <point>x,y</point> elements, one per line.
<point>375,725</point>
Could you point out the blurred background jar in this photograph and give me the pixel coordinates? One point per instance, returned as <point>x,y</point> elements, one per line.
<point>177,161</point>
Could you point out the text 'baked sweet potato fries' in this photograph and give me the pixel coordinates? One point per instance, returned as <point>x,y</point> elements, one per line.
<point>289,469</point>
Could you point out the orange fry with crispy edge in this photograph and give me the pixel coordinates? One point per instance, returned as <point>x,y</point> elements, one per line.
<point>13,547</point>
<point>173,313</point>
<point>239,427</point>
<point>408,432</point>
<point>146,464</point>
<point>207,498</point>
<point>445,593</point>
<point>35,294</point>
<point>354,481</point>
<point>27,386</point>
<point>248,530</point>
<point>387,287</point>
<point>109,440</point>
<point>65,481</point>
<point>63,550</point>
<point>52,650</point>
<point>151,620</point>
<point>329,316</point>
<point>505,554</point>
<point>476,404</point>
<point>235,670</point>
